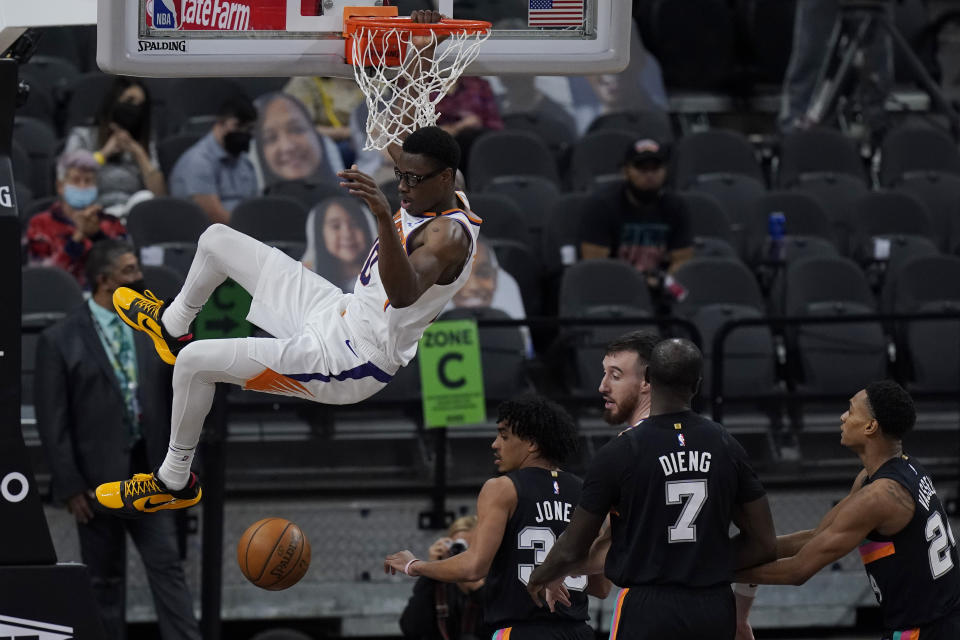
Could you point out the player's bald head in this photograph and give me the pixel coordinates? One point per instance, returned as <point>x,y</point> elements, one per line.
<point>677,365</point>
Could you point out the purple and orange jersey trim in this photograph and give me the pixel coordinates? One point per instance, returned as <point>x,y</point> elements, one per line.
<point>906,634</point>
<point>473,218</point>
<point>501,634</point>
<point>617,613</point>
<point>873,551</point>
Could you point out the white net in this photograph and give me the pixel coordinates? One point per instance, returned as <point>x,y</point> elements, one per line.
<point>401,99</point>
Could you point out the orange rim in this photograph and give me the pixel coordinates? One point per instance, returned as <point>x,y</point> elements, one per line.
<point>447,26</point>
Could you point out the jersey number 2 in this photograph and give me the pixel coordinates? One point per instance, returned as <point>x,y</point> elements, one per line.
<point>695,491</point>
<point>542,539</point>
<point>941,539</point>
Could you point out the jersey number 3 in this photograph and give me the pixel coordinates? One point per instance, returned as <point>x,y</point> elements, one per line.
<point>542,539</point>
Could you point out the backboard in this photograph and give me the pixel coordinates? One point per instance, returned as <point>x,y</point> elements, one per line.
<point>304,37</point>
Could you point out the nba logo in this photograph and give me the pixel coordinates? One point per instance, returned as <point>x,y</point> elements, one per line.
<point>164,14</point>
<point>556,488</point>
<point>683,442</point>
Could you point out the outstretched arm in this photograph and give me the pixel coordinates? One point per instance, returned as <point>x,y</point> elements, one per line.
<point>883,504</point>
<point>495,504</point>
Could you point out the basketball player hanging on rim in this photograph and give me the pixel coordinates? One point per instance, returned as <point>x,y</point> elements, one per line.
<point>328,346</point>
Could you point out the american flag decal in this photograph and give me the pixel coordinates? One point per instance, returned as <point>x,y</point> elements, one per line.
<point>555,13</point>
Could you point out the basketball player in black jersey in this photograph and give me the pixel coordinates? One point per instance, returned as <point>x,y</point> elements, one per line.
<point>894,517</point>
<point>672,485</point>
<point>519,517</point>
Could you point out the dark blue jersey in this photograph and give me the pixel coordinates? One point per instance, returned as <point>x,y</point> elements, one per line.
<point>914,573</point>
<point>670,484</point>
<point>545,502</point>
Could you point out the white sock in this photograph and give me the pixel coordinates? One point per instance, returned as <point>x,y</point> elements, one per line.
<point>176,318</point>
<point>175,470</point>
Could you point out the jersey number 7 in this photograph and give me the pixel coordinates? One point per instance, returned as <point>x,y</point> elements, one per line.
<point>542,539</point>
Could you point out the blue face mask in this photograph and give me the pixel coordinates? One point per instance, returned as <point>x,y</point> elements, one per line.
<point>79,197</point>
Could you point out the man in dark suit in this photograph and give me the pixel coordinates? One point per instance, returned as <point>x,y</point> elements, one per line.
<point>103,409</point>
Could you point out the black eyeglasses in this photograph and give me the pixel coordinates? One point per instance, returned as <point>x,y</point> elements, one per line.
<point>412,179</point>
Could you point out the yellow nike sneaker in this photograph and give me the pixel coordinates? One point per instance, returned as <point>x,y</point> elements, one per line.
<point>145,493</point>
<point>142,311</point>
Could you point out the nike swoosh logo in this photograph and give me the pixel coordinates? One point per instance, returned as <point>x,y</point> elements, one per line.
<point>148,324</point>
<point>152,503</point>
<point>351,348</point>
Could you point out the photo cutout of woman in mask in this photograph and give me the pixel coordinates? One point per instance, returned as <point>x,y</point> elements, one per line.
<point>289,149</point>
<point>339,235</point>
<point>122,141</point>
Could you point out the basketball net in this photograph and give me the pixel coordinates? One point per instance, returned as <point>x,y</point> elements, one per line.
<point>400,87</point>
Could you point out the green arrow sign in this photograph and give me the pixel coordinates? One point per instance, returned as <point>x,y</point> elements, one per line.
<point>451,375</point>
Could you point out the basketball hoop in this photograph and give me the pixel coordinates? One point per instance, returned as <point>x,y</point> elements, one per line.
<point>385,60</point>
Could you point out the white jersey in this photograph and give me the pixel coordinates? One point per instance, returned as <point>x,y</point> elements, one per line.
<point>396,332</point>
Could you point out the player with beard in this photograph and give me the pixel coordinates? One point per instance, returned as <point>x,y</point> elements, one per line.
<point>626,402</point>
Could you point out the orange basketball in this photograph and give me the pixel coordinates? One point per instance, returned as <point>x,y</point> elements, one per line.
<point>273,553</point>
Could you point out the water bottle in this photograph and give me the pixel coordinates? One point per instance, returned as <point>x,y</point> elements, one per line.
<point>776,230</point>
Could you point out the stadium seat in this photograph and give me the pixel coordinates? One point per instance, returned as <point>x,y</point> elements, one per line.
<point>923,285</point>
<point>880,215</point>
<point>720,291</point>
<point>21,165</point>
<point>535,197</point>
<point>911,148</point>
<point>819,286</point>
<point>903,250</point>
<point>818,151</point>
<point>38,139</point>
<point>716,151</point>
<point>647,123</point>
<point>274,220</point>
<point>940,193</point>
<point>171,225</point>
<point>598,153</point>
<point>509,153</point>
<point>163,281</point>
<point>565,224</point>
<point>48,294</point>
<point>523,263</point>
<point>837,193</point>
<point>556,132</point>
<point>804,218</point>
<point>502,353</point>
<point>40,103</point>
<point>502,218</point>
<point>737,195</point>
<point>23,193</point>
<point>603,288</point>
<point>58,72</point>
<point>710,227</point>
<point>171,148</point>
